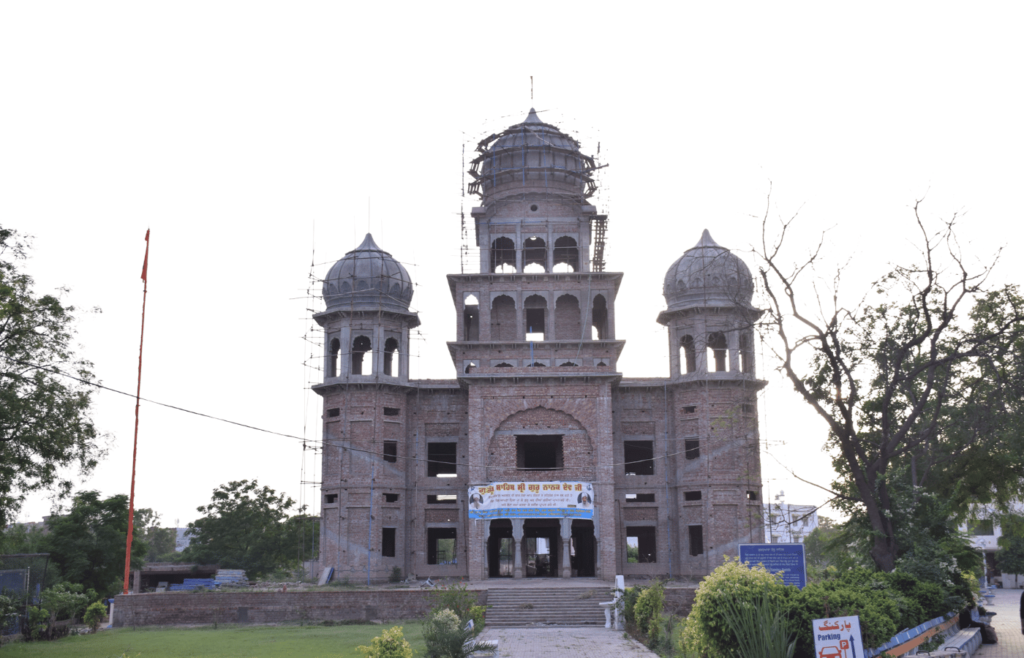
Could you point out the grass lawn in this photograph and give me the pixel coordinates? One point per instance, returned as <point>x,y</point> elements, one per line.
<point>230,642</point>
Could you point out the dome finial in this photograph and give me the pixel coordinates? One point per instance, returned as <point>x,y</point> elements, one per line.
<point>368,244</point>
<point>706,240</point>
<point>532,117</point>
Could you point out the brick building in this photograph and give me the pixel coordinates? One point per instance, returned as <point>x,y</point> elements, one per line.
<point>647,476</point>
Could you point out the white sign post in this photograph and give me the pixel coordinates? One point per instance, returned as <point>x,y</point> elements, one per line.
<point>838,637</point>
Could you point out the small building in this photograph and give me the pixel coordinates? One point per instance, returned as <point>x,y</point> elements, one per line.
<point>789,524</point>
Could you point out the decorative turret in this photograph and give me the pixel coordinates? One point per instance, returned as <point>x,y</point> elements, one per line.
<point>708,275</point>
<point>368,278</point>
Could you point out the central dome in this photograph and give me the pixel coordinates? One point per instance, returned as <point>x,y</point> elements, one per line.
<point>708,275</point>
<point>531,156</point>
<point>368,279</point>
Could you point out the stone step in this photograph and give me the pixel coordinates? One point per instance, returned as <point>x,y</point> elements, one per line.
<point>577,606</point>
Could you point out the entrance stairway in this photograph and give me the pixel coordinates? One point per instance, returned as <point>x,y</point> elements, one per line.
<point>564,606</point>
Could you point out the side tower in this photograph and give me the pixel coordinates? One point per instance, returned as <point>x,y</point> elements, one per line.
<point>710,321</point>
<point>536,351</point>
<point>366,376</point>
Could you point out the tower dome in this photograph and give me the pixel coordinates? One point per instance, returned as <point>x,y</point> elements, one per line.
<point>531,156</point>
<point>367,279</point>
<point>708,275</point>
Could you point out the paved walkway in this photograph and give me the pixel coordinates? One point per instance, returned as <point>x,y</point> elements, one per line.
<point>564,642</point>
<point>1007,625</point>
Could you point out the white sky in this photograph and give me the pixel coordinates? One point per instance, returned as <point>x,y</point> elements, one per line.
<point>246,134</point>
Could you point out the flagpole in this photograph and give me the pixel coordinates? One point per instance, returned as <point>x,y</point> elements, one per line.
<point>135,447</point>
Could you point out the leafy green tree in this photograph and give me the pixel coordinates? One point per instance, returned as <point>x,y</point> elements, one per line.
<point>244,527</point>
<point>88,542</point>
<point>45,427</point>
<point>67,601</point>
<point>161,543</point>
<point>898,377</point>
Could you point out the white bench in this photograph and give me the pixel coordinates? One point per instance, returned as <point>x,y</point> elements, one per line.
<point>486,647</point>
<point>613,606</point>
<point>968,640</point>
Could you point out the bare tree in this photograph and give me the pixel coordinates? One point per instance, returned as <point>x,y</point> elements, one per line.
<point>885,372</point>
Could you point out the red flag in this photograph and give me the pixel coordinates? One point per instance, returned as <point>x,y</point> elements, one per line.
<point>145,263</point>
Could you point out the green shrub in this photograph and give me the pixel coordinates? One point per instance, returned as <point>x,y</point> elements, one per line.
<point>761,628</point>
<point>38,623</point>
<point>67,601</point>
<point>647,611</point>
<point>629,598</point>
<point>390,644</point>
<point>94,615</point>
<point>456,598</point>
<point>707,632</point>
<point>477,614</point>
<point>446,636</point>
<point>877,610</point>
<point>396,575</point>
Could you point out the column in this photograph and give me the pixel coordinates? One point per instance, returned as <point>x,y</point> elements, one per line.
<point>517,544</point>
<point>487,548</point>
<point>566,526</point>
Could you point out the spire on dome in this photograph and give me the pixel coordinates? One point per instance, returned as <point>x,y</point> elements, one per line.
<point>369,245</point>
<point>705,241</point>
<point>532,117</point>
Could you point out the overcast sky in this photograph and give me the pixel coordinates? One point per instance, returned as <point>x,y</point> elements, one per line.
<point>257,139</point>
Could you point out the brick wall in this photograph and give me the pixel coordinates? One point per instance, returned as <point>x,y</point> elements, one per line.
<point>270,607</point>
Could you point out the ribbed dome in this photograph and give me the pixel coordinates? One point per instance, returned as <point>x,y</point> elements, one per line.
<point>708,275</point>
<point>534,156</point>
<point>368,279</point>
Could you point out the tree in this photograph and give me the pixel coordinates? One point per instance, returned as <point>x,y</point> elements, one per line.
<point>244,527</point>
<point>88,542</point>
<point>899,374</point>
<point>45,427</point>
<point>162,542</point>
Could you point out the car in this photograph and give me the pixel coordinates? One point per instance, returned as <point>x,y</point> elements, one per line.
<point>830,652</point>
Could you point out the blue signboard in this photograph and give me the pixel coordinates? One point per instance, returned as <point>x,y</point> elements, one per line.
<point>787,559</point>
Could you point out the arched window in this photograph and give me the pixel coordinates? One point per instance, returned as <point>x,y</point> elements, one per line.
<point>503,318</point>
<point>599,316</point>
<point>567,318</point>
<point>390,362</point>
<point>471,318</point>
<point>688,353</point>
<point>536,309</point>
<point>535,255</point>
<point>718,352</point>
<point>567,255</point>
<point>503,256</point>
<point>332,360</point>
<point>360,346</point>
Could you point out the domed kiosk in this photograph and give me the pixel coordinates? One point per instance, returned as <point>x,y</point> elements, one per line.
<point>368,278</point>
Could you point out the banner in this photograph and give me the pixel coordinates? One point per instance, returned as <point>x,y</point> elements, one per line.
<point>787,559</point>
<point>532,500</point>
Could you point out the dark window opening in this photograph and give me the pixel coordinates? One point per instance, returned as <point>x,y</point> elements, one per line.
<point>536,309</point>
<point>442,499</point>
<point>333,413</point>
<point>689,353</point>
<point>747,408</point>
<point>390,498</point>
<point>503,256</point>
<point>535,255</point>
<point>692,448</point>
<point>599,315</point>
<point>390,362</point>
<point>441,545</point>
<point>639,457</point>
<point>746,355</point>
<point>387,542</point>
<point>360,346</point>
<point>392,411</point>
<point>567,318</point>
<point>332,362</point>
<point>537,364</point>
<point>391,451</point>
<point>471,322</point>
<point>690,410</point>
<point>503,365</point>
<point>751,495</point>
<point>602,364</point>
<point>696,540</point>
<point>503,318</point>
<point>566,255</point>
<point>441,460</point>
<point>718,352</point>
<point>330,499</point>
<point>539,452</point>
<point>691,495</point>
<point>567,363</point>
<point>981,527</point>
<point>641,545</point>
<point>640,498</point>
